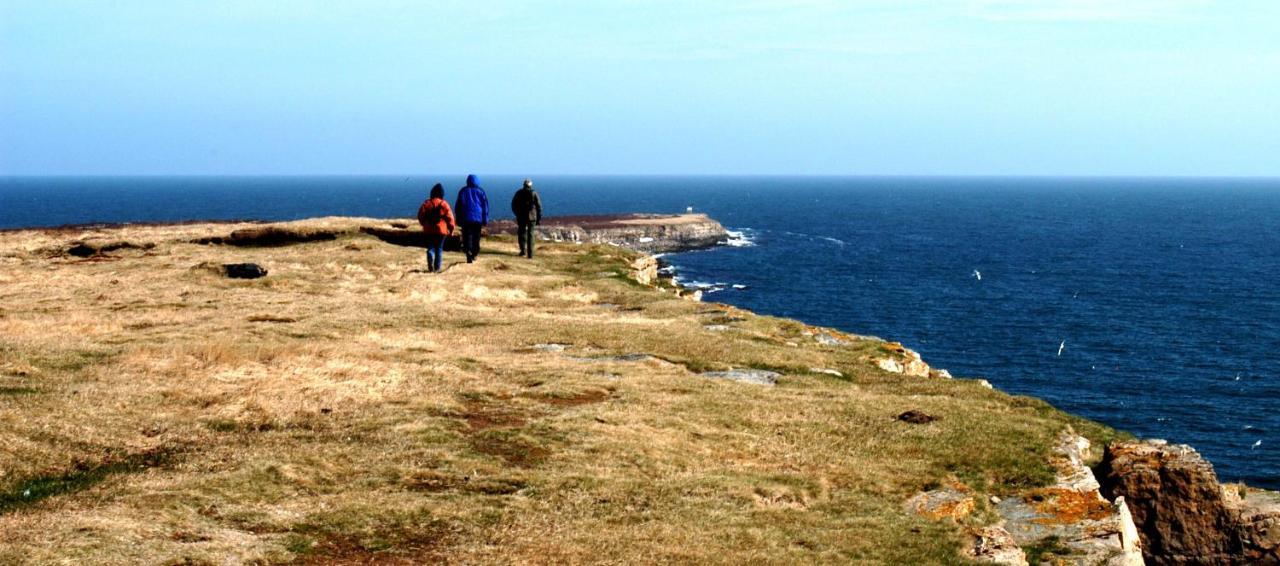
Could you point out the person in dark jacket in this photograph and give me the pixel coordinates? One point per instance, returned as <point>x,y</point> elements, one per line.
<point>472,210</point>
<point>437,222</point>
<point>528,210</point>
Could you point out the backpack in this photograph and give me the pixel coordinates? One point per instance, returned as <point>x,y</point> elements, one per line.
<point>434,214</point>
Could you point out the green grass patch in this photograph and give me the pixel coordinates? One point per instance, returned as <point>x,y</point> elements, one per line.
<point>83,476</point>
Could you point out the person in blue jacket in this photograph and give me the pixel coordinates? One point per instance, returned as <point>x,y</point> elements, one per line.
<point>472,212</point>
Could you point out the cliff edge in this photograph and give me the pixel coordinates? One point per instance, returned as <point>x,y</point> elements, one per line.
<point>305,392</point>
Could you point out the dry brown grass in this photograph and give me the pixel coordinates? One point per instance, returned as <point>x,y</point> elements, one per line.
<point>350,409</point>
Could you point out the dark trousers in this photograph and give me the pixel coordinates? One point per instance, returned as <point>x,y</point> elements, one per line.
<point>525,231</point>
<point>471,240</point>
<point>435,251</point>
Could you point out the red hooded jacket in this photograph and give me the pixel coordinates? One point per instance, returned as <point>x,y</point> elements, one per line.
<point>436,217</point>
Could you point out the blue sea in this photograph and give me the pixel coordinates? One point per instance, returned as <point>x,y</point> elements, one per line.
<point>1152,305</point>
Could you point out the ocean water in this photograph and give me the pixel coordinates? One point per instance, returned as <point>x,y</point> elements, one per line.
<point>1152,305</point>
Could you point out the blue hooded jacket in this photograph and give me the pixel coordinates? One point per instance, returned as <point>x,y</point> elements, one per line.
<point>472,205</point>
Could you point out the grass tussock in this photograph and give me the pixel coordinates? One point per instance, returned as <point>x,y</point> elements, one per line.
<point>350,408</point>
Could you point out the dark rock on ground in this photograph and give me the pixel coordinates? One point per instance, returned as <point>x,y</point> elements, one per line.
<point>244,270</point>
<point>916,417</point>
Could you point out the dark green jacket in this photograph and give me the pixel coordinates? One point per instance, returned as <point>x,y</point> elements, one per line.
<point>527,206</point>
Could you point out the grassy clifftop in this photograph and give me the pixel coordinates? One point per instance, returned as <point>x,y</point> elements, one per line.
<point>348,408</point>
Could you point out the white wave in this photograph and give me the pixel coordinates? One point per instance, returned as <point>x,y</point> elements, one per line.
<point>739,286</point>
<point>836,241</point>
<point>737,239</point>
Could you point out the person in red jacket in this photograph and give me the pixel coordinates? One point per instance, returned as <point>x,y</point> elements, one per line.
<point>437,222</point>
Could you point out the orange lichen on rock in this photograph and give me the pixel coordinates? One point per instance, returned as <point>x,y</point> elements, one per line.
<point>1066,506</point>
<point>952,502</point>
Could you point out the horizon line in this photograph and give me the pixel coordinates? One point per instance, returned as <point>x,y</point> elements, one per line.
<point>730,175</point>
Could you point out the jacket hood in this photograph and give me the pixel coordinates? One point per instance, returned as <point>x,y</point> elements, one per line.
<point>472,181</point>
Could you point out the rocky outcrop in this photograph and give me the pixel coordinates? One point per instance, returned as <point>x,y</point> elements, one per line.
<point>645,270</point>
<point>650,233</point>
<point>1069,521</point>
<point>905,361</point>
<point>1183,514</point>
<point>1072,515</point>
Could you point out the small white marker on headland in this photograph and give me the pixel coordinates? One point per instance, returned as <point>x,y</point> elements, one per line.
<point>688,210</point>
<point>1061,347</point>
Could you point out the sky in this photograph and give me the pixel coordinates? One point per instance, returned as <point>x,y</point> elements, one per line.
<point>804,87</point>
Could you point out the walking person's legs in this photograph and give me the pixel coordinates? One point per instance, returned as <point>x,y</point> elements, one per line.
<point>435,252</point>
<point>470,241</point>
<point>526,238</point>
<point>522,228</point>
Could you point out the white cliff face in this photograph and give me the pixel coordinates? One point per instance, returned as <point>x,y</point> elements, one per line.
<point>646,233</point>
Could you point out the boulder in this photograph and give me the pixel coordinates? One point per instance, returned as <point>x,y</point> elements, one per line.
<point>916,417</point>
<point>244,270</point>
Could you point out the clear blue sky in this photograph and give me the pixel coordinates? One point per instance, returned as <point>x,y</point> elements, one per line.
<point>1012,87</point>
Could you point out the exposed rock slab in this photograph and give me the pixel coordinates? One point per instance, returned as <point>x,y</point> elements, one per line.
<point>950,502</point>
<point>756,376</point>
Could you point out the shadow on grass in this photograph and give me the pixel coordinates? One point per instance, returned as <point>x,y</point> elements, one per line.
<point>83,476</point>
<point>18,390</point>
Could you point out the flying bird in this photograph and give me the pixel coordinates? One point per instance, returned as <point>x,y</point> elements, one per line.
<point>1061,346</point>
<point>1256,445</point>
<point>977,274</point>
